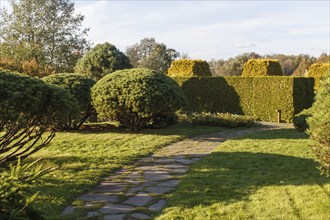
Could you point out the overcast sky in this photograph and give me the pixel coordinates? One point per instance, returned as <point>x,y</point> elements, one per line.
<point>212,29</point>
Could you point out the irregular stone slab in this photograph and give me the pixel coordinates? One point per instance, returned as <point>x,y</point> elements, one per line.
<point>147,168</point>
<point>174,166</point>
<point>92,214</point>
<point>180,171</point>
<point>134,175</point>
<point>146,160</point>
<point>98,198</point>
<point>133,190</point>
<point>68,210</point>
<point>114,187</point>
<point>140,216</point>
<point>159,175</point>
<point>116,209</point>
<point>164,160</point>
<point>157,206</point>
<point>170,183</point>
<point>159,190</point>
<point>114,217</point>
<point>139,199</point>
<point>185,161</point>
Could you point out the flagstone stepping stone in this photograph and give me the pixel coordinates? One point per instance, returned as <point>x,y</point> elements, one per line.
<point>174,166</point>
<point>98,198</point>
<point>158,205</point>
<point>185,161</point>
<point>159,175</point>
<point>68,210</point>
<point>133,190</point>
<point>110,187</point>
<point>114,217</point>
<point>164,160</point>
<point>116,209</point>
<point>134,175</point>
<point>159,190</point>
<point>170,183</point>
<point>139,199</point>
<point>92,214</point>
<point>180,171</point>
<point>140,216</point>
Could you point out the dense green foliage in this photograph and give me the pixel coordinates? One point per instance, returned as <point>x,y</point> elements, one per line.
<point>263,175</point>
<point>136,97</point>
<point>151,55</point>
<point>300,120</point>
<point>29,108</point>
<point>40,37</point>
<point>101,60</point>
<point>319,125</point>
<point>262,67</point>
<point>319,69</point>
<point>16,196</point>
<point>255,96</point>
<point>189,68</point>
<point>217,119</point>
<point>79,87</point>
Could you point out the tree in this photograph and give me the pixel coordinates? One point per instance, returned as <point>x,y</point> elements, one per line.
<point>42,36</point>
<point>101,60</point>
<point>152,55</point>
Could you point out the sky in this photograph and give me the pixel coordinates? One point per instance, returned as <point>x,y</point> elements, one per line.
<point>212,29</point>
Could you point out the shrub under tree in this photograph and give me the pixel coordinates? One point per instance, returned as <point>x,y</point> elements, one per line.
<point>101,60</point>
<point>319,125</point>
<point>137,98</point>
<point>79,86</point>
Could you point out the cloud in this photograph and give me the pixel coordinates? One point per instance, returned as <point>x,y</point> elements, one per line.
<point>245,45</point>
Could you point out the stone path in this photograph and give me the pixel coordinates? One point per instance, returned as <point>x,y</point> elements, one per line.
<point>140,193</point>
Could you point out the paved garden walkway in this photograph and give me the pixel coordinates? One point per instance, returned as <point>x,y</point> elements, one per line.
<point>141,192</point>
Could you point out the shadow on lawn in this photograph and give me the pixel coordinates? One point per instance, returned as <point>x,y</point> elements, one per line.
<point>230,177</point>
<point>284,133</point>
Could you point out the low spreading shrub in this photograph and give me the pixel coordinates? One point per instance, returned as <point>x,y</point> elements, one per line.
<point>319,125</point>
<point>262,67</point>
<point>300,120</point>
<point>217,119</point>
<point>189,68</point>
<point>79,87</point>
<point>137,98</point>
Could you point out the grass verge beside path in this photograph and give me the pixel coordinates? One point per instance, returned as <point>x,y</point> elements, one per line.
<point>265,175</point>
<point>85,157</point>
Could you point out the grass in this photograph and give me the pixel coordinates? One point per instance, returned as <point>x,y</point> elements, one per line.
<point>84,158</point>
<point>265,175</point>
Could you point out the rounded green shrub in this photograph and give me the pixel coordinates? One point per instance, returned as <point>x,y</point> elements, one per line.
<point>262,67</point>
<point>79,86</point>
<point>189,68</point>
<point>137,97</point>
<point>319,69</point>
<point>102,60</point>
<point>300,120</point>
<point>319,125</point>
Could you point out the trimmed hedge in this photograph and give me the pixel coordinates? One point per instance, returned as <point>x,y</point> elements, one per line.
<point>262,67</point>
<point>189,68</point>
<point>256,96</point>
<point>318,69</point>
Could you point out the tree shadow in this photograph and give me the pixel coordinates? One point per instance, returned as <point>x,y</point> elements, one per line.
<point>233,176</point>
<point>284,133</point>
<point>207,93</point>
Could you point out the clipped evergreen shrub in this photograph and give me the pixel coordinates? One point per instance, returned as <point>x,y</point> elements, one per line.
<point>300,120</point>
<point>319,125</point>
<point>262,67</point>
<point>189,68</point>
<point>254,96</point>
<point>79,86</point>
<point>318,69</point>
<point>101,60</point>
<point>137,97</point>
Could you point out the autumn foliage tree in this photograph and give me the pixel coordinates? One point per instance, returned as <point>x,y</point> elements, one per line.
<point>41,36</point>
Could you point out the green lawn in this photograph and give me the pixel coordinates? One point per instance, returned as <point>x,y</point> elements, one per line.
<point>265,175</point>
<point>85,157</point>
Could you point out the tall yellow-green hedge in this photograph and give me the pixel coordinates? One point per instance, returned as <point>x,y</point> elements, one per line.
<point>318,69</point>
<point>189,68</point>
<point>262,67</point>
<point>255,96</point>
